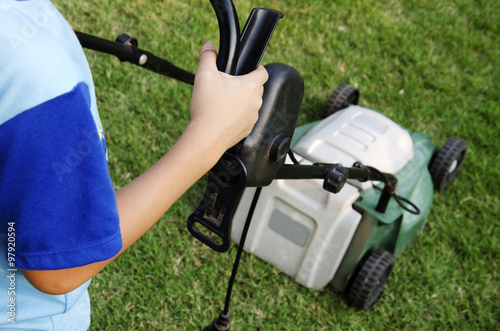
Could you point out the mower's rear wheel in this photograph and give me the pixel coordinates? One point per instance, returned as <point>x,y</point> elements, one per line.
<point>444,166</point>
<point>370,279</point>
<point>343,96</point>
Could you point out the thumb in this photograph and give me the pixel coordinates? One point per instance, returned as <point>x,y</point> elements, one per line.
<point>208,57</point>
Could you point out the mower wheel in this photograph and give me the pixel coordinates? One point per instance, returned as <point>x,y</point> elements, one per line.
<point>343,96</point>
<point>370,279</point>
<point>444,166</point>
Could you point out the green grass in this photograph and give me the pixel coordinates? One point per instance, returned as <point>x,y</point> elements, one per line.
<point>431,66</point>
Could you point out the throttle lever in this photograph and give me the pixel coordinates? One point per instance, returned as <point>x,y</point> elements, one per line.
<point>256,34</point>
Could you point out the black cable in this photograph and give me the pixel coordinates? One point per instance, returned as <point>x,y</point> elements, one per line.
<point>240,249</point>
<point>399,199</point>
<point>415,211</point>
<point>292,156</point>
<point>373,172</point>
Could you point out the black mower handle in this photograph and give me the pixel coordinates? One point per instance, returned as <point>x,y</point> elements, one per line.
<point>229,31</point>
<point>255,37</point>
<point>238,55</point>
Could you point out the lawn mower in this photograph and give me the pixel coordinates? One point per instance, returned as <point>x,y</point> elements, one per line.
<point>331,202</point>
<point>350,239</point>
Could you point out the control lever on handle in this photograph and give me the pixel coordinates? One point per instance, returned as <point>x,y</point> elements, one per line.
<point>255,36</point>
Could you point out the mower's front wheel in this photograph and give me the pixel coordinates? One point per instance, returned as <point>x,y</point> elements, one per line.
<point>370,279</point>
<point>343,96</point>
<point>444,166</point>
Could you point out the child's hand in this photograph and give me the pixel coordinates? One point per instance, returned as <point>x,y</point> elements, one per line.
<point>223,107</point>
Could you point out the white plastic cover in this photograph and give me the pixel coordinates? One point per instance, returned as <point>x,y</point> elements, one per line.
<point>303,229</point>
<point>300,228</point>
<point>358,134</point>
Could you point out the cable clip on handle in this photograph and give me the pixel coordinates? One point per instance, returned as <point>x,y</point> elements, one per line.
<point>214,214</point>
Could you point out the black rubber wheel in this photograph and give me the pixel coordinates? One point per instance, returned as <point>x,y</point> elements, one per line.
<point>343,96</point>
<point>444,166</point>
<point>371,278</point>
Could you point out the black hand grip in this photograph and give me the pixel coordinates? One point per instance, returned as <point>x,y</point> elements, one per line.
<point>255,36</point>
<point>229,29</point>
<point>211,221</point>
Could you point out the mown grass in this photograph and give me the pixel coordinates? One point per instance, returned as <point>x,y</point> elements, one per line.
<point>432,66</point>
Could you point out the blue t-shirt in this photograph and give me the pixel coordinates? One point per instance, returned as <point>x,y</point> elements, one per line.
<point>57,202</point>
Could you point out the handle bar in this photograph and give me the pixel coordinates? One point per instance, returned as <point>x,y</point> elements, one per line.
<point>229,29</point>
<point>239,54</point>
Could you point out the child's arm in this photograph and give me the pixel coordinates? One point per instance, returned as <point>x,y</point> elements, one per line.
<point>223,111</point>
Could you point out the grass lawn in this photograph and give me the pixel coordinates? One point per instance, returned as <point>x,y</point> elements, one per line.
<point>431,66</point>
